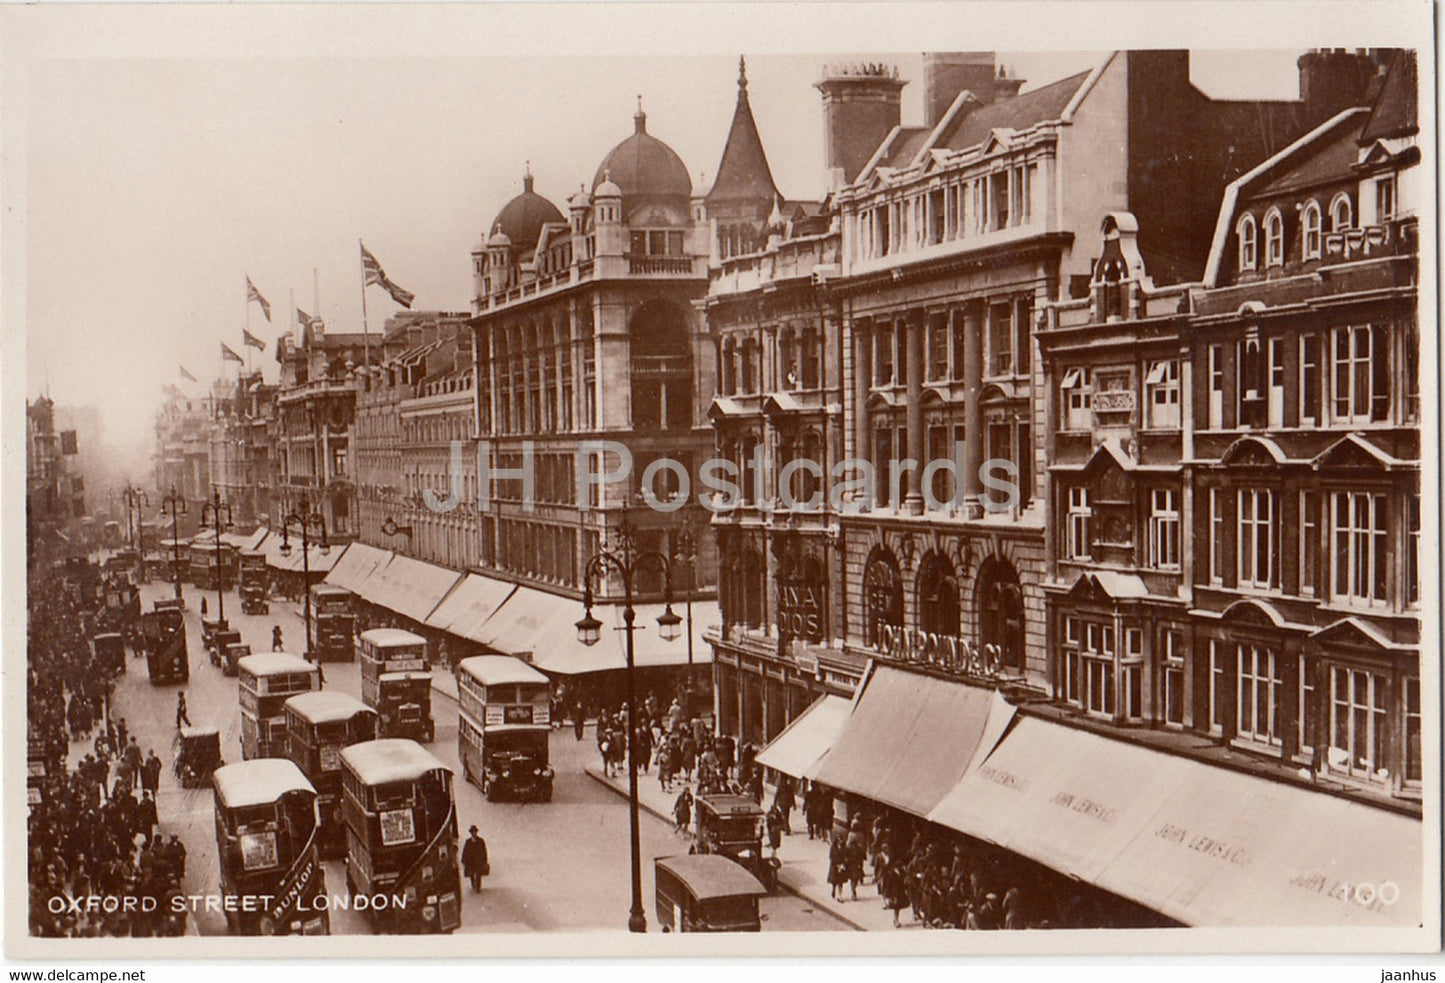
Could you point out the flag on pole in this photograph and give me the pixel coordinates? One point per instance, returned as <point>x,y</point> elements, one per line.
<point>187,375</point>
<point>375,274</point>
<point>228,354</point>
<point>253,294</point>
<point>250,339</point>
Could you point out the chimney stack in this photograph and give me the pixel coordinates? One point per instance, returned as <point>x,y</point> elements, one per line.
<point>861,106</point>
<point>1332,80</point>
<point>947,73</point>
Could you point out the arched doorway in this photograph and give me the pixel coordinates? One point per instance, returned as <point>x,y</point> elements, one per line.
<point>882,596</point>
<point>1001,611</point>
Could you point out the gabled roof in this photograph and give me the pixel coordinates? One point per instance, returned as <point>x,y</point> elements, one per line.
<point>1355,451</point>
<point>1329,158</point>
<point>1041,105</point>
<point>1396,111</point>
<point>899,149</point>
<point>1354,632</point>
<point>743,172</point>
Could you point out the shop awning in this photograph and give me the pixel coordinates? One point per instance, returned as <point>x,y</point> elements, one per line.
<point>469,605</point>
<point>359,562</point>
<point>411,588</point>
<point>1203,844</point>
<point>910,738</point>
<point>514,628</point>
<point>807,739</point>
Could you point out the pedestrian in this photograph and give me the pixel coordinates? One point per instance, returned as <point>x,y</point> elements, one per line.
<point>579,720</point>
<point>150,776</point>
<point>837,867</point>
<point>182,717</point>
<point>775,829</point>
<point>203,607</point>
<point>275,638</point>
<point>664,767</point>
<point>682,811</point>
<point>783,799</point>
<point>474,859</point>
<point>643,736</point>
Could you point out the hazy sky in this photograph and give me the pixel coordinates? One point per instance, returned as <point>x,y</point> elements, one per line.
<point>163,165</point>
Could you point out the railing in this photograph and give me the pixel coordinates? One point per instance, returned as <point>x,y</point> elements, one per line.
<point>645,265</point>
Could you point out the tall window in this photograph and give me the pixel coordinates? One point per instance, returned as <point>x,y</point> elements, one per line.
<point>1251,383</point>
<point>1076,544</point>
<point>1273,238</point>
<point>1358,723</point>
<point>1309,707</point>
<point>1384,199</point>
<point>1310,380</point>
<point>1162,391</point>
<point>1000,339</point>
<point>1361,565</point>
<point>1259,686</point>
<point>1164,529</point>
<point>1246,232</point>
<point>1362,373</point>
<point>1216,536</point>
<point>1276,382</point>
<point>1075,390</point>
<point>1173,664</point>
<point>1412,550</point>
<point>1216,387</point>
<point>1341,213</point>
<point>1256,538</point>
<point>1413,764</point>
<point>1216,686</point>
<point>1309,542</point>
<point>1310,224</point>
<point>1098,668</point>
<point>937,348</point>
<point>882,599</point>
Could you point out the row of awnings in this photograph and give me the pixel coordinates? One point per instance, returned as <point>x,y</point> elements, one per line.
<point>514,620</point>
<point>1204,844</point>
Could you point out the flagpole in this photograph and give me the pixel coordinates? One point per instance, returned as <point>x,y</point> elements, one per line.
<point>365,330</point>
<point>243,337</point>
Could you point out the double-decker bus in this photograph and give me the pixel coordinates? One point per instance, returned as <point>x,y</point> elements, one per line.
<point>395,682</point>
<point>318,726</point>
<point>211,565</point>
<point>266,847</point>
<point>401,835</point>
<point>333,623</point>
<point>163,632</point>
<point>265,682</point>
<point>504,722</point>
<point>254,580</point>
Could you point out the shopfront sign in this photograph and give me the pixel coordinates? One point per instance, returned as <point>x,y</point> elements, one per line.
<point>948,652</point>
<point>800,610</point>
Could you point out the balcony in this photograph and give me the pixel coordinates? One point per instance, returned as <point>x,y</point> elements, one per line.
<point>641,264</point>
<point>317,387</point>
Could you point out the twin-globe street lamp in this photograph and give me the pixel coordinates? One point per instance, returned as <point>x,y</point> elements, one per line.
<point>625,558</point>
<point>306,518</point>
<point>176,505</point>
<point>219,513</point>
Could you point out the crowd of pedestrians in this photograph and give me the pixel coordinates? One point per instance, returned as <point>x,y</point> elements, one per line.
<point>97,864</point>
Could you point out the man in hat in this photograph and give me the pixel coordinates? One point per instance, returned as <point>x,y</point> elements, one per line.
<point>474,858</point>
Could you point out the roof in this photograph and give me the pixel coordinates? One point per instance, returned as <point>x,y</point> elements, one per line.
<point>258,782</point>
<point>1397,108</point>
<point>644,165</point>
<point>325,706</point>
<point>1020,112</point>
<point>711,875</point>
<point>901,147</point>
<point>500,670</point>
<point>270,663</point>
<point>391,759</point>
<point>743,172</point>
<point>1328,159</point>
<point>522,218</point>
<point>384,637</point>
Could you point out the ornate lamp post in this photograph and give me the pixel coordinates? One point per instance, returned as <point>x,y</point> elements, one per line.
<point>219,513</point>
<point>686,553</point>
<point>306,519</point>
<point>176,506</point>
<point>626,559</point>
<point>135,501</point>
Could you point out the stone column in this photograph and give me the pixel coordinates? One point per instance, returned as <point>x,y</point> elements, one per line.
<point>973,385</point>
<point>913,495</point>
<point>862,380</point>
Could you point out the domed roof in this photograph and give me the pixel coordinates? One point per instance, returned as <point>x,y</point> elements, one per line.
<point>643,164</point>
<point>522,218</point>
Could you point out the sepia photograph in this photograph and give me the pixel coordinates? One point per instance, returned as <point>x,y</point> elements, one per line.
<point>538,476</point>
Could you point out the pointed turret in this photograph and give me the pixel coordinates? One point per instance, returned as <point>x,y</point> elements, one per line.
<point>743,174</point>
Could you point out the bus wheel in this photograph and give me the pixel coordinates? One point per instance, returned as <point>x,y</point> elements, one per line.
<point>488,790</point>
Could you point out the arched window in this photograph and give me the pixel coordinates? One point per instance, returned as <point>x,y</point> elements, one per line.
<point>1246,232</point>
<point>1342,213</point>
<point>882,597</point>
<point>1273,238</point>
<point>938,609</point>
<point>1311,223</point>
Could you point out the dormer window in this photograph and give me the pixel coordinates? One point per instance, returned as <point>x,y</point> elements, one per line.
<point>1342,214</point>
<point>1311,223</point>
<point>1273,238</point>
<point>1246,232</point>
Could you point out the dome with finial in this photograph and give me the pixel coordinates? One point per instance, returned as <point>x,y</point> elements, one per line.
<point>520,221</point>
<point>608,188</point>
<point>644,165</point>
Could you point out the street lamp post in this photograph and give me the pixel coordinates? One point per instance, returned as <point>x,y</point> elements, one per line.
<point>306,519</point>
<point>687,554</point>
<point>135,501</point>
<point>219,513</point>
<point>625,558</point>
<point>176,505</point>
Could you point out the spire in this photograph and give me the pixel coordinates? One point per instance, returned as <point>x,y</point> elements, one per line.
<point>527,178</point>
<point>743,173</point>
<point>639,118</point>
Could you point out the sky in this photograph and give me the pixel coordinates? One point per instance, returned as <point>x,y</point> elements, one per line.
<point>159,174</point>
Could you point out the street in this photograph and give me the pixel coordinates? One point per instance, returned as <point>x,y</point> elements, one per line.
<point>556,866</point>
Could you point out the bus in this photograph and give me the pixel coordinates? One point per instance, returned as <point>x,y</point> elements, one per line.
<point>401,835</point>
<point>266,681</point>
<point>253,582</point>
<point>318,726</point>
<point>266,848</point>
<point>333,623</point>
<point>504,722</point>
<point>173,559</point>
<point>212,564</point>
<point>396,684</point>
<point>163,632</point>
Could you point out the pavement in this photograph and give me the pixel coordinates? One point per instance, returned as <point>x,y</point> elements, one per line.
<point>804,871</point>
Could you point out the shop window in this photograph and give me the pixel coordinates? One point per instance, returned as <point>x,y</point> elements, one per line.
<point>1257,695</point>
<point>1359,724</point>
<point>1361,564</point>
